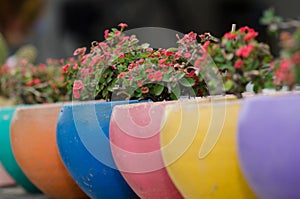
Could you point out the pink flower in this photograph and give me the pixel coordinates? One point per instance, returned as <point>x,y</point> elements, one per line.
<point>84,72</point>
<point>205,45</point>
<point>106,34</point>
<point>230,35</point>
<point>77,85</point>
<point>140,83</point>
<point>130,78</point>
<point>161,61</point>
<point>121,75</point>
<point>187,55</point>
<point>76,94</point>
<point>238,63</point>
<point>245,51</point>
<point>65,68</point>
<point>75,66</point>
<point>131,66</point>
<point>113,67</point>
<point>123,25</point>
<point>145,90</point>
<point>149,70</point>
<point>250,35</point>
<point>118,33</point>
<point>42,66</point>
<point>158,76</point>
<point>150,76</point>
<point>79,51</point>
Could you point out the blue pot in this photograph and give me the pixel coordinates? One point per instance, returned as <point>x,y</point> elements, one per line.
<point>83,143</point>
<point>268,145</point>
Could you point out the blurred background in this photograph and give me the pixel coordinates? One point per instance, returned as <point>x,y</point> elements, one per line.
<point>65,25</point>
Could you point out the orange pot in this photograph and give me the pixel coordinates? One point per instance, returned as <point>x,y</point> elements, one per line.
<point>33,139</point>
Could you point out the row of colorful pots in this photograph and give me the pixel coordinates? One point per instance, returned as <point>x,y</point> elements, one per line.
<point>216,147</point>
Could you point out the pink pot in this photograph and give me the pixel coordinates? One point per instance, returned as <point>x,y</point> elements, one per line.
<point>5,179</point>
<point>135,144</point>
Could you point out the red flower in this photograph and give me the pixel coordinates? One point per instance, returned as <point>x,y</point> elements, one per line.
<point>42,66</point>
<point>141,61</point>
<point>245,51</point>
<point>122,56</point>
<point>169,53</point>
<point>285,65</point>
<point>65,68</point>
<point>158,75</point>
<point>191,74</point>
<point>121,75</point>
<point>246,29</point>
<point>238,63</point>
<point>149,70</point>
<point>36,81</point>
<point>30,83</point>
<point>250,35</point>
<point>123,25</point>
<point>296,58</point>
<point>230,35</point>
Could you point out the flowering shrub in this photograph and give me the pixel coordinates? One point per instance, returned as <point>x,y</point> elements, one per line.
<point>120,65</point>
<point>30,84</point>
<point>241,60</point>
<point>287,66</point>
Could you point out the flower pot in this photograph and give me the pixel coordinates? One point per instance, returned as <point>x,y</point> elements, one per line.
<point>134,135</point>
<point>268,145</point>
<point>5,179</point>
<point>6,155</point>
<point>33,138</point>
<point>198,144</point>
<point>83,142</point>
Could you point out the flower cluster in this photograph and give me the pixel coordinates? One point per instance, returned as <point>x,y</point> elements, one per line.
<point>242,60</point>
<point>31,84</point>
<point>287,66</point>
<point>121,68</point>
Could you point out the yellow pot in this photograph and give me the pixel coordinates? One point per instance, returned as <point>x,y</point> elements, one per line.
<point>198,142</point>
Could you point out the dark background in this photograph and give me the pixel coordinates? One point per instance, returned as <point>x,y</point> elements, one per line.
<point>68,24</point>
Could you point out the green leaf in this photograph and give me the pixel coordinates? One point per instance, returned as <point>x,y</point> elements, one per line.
<point>219,59</point>
<point>180,75</point>
<point>166,77</point>
<point>175,91</point>
<point>228,85</point>
<point>158,89</point>
<point>187,82</point>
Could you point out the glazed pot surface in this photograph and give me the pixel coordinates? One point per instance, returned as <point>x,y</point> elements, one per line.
<point>83,142</point>
<point>33,137</point>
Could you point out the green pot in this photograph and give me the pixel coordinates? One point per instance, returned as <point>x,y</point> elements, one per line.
<point>6,154</point>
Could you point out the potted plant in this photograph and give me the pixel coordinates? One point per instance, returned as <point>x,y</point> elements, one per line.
<point>30,130</point>
<point>120,67</point>
<point>269,128</point>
